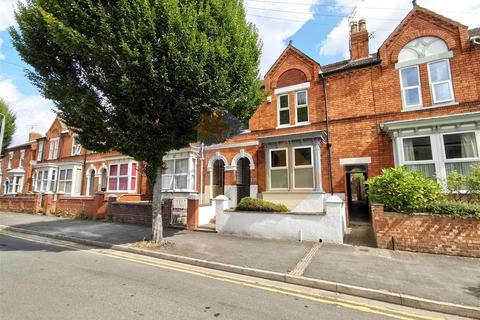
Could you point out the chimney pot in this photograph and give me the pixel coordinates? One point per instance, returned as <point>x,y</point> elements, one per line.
<point>353,27</point>
<point>362,25</point>
<point>33,136</point>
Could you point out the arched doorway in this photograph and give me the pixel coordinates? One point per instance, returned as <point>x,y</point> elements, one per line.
<point>356,193</point>
<point>218,178</point>
<point>243,178</point>
<point>91,183</point>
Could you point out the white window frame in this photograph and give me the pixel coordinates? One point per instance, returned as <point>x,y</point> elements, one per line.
<point>279,109</point>
<point>405,162</point>
<point>10,158</point>
<point>16,184</point>
<point>297,106</point>
<point>53,152</point>
<point>21,159</point>
<point>76,147</point>
<point>459,160</point>
<point>271,168</point>
<point>40,150</point>
<point>118,176</point>
<point>432,84</point>
<point>65,180</point>
<point>190,174</point>
<point>303,167</point>
<point>404,89</point>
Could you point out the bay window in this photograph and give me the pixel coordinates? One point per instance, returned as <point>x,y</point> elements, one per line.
<point>283,110</point>
<point>65,181</point>
<point>179,175</point>
<point>440,81</point>
<point>411,89</point>
<point>45,180</point>
<point>303,168</point>
<point>122,177</point>
<point>301,107</point>
<point>461,151</point>
<point>278,169</point>
<point>417,153</point>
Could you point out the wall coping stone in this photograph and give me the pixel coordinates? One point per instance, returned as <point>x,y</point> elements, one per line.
<point>280,213</point>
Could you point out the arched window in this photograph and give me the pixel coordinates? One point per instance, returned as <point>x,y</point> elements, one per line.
<point>434,52</point>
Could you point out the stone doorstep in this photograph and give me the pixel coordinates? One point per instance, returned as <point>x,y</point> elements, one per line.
<point>380,295</point>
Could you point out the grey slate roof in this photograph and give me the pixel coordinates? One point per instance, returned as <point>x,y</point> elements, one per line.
<point>349,64</point>
<point>475,32</point>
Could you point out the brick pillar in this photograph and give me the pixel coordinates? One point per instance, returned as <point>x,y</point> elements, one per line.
<point>37,206</point>
<point>48,204</point>
<point>111,199</point>
<point>167,205</point>
<point>192,212</point>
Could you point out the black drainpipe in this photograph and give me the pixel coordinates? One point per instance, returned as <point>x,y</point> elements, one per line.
<point>327,124</point>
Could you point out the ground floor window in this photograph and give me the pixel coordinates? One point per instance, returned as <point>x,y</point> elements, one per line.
<point>437,155</point>
<point>16,184</point>
<point>179,175</point>
<point>122,177</point>
<point>45,180</point>
<point>65,181</point>
<point>291,168</point>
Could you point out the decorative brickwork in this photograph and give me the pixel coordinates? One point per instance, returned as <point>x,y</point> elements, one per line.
<point>291,77</point>
<point>426,233</point>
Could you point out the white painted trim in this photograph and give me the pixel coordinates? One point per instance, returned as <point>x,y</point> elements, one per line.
<point>286,167</point>
<point>443,55</point>
<point>295,87</point>
<point>432,85</point>
<point>303,106</point>
<point>418,87</point>
<point>243,154</point>
<point>310,166</point>
<point>280,109</point>
<point>354,161</point>
<point>216,157</point>
<point>233,145</point>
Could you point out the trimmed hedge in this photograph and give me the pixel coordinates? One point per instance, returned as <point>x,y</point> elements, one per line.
<point>453,208</point>
<point>254,204</point>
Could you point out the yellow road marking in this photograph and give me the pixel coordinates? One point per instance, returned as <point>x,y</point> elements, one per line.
<point>164,264</point>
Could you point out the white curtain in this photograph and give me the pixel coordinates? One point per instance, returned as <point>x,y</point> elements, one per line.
<point>408,150</point>
<point>469,145</point>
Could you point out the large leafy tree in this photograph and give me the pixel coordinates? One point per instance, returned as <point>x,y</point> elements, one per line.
<point>137,76</point>
<point>9,124</point>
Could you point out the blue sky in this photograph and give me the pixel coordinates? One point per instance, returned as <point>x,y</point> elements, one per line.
<point>317,27</point>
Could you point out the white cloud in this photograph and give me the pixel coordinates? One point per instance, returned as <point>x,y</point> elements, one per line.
<point>2,56</point>
<point>383,21</point>
<point>6,14</point>
<point>34,113</point>
<point>273,30</point>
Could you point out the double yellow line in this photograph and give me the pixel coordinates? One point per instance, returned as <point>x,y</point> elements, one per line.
<point>212,274</point>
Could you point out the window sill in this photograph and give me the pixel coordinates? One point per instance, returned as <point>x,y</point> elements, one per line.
<point>293,125</point>
<point>436,105</point>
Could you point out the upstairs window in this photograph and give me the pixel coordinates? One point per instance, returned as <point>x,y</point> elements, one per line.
<point>53,152</point>
<point>301,107</point>
<point>76,146</point>
<point>440,81</point>
<point>283,110</point>
<point>411,89</point>
<point>433,52</point>
<point>22,158</point>
<point>40,151</point>
<point>10,158</point>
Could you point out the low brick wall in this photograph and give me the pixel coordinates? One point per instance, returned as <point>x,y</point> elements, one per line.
<point>18,203</point>
<point>426,233</point>
<point>131,212</point>
<point>94,207</point>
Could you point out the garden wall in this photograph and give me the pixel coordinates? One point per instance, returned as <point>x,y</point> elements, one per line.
<point>18,203</point>
<point>426,233</point>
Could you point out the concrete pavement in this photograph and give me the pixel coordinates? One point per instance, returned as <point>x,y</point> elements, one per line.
<point>51,279</point>
<point>443,278</point>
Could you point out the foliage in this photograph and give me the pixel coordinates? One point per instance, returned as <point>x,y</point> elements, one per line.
<point>9,124</point>
<point>454,208</point>
<point>358,176</point>
<point>136,76</point>
<point>465,187</point>
<point>254,204</point>
<point>403,190</point>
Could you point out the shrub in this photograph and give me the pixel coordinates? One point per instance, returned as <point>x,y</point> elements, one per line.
<point>254,204</point>
<point>403,190</point>
<point>453,208</point>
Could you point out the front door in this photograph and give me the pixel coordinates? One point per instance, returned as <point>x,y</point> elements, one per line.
<point>243,179</point>
<point>356,194</point>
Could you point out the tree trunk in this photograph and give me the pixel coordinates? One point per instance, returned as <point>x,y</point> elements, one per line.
<point>157,227</point>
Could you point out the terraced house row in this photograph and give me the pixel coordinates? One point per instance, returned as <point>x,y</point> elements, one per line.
<point>414,102</point>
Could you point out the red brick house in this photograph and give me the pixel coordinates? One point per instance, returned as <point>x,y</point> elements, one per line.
<point>414,102</point>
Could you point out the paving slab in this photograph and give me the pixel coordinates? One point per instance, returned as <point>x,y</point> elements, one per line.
<point>439,277</point>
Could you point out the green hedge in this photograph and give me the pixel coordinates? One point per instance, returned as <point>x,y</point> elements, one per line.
<point>453,208</point>
<point>254,204</point>
<point>403,190</point>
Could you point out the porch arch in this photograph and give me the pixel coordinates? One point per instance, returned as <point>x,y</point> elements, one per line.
<point>243,154</point>
<point>216,157</point>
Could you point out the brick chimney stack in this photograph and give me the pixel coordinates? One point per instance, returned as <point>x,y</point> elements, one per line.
<point>358,40</point>
<point>33,136</point>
